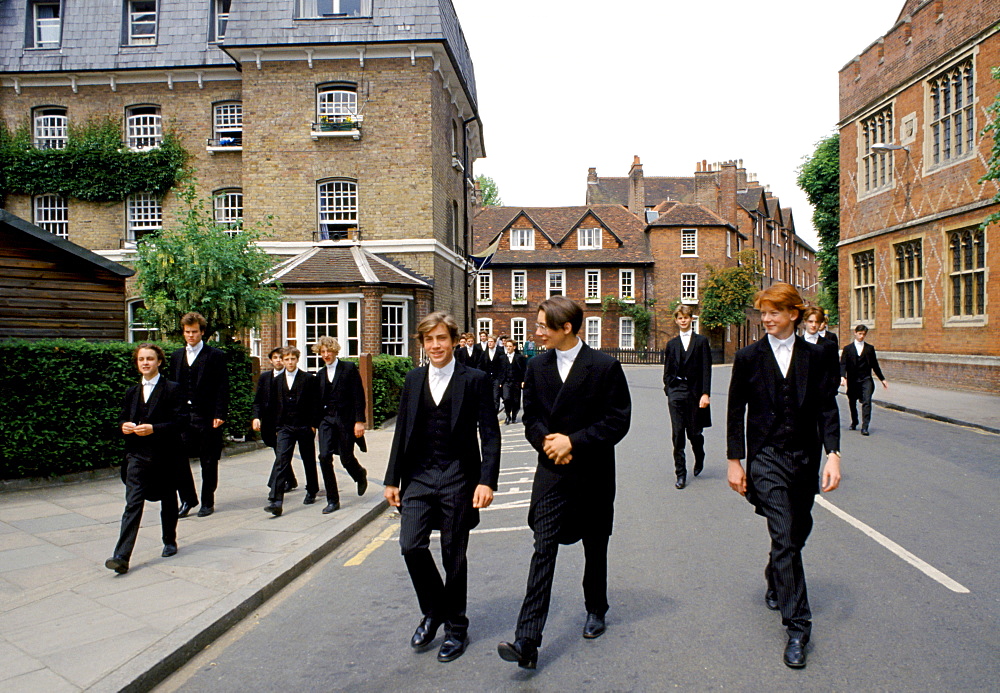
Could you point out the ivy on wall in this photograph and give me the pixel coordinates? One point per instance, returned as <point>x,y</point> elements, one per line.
<point>95,166</point>
<point>642,316</point>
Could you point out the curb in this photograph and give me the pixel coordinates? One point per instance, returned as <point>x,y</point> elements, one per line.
<point>933,416</point>
<point>148,669</point>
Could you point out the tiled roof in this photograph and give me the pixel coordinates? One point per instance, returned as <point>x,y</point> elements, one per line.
<point>682,214</point>
<point>786,217</point>
<point>614,191</point>
<point>750,199</point>
<point>92,33</point>
<point>347,264</point>
<point>555,224</point>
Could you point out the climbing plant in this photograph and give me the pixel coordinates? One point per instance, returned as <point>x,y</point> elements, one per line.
<point>642,316</point>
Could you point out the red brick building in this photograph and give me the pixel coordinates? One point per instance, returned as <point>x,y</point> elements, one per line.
<point>914,260</point>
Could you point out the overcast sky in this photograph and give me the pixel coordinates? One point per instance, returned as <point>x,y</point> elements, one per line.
<point>569,84</point>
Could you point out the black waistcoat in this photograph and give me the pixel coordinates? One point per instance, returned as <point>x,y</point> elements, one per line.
<point>189,375</point>
<point>786,402</point>
<point>144,445</point>
<point>288,411</point>
<point>433,451</point>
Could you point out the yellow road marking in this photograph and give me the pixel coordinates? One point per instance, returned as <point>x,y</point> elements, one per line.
<point>375,543</point>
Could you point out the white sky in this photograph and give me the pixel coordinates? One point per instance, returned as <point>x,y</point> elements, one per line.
<point>569,84</point>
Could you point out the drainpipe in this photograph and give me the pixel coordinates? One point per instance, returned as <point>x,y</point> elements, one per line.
<point>466,230</point>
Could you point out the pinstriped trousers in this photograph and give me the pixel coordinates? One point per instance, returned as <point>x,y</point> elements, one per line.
<point>785,485</point>
<point>551,509</point>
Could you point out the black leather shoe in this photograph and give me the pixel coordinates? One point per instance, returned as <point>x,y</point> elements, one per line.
<point>363,485</point>
<point>184,509</point>
<point>274,509</point>
<point>864,432</point>
<point>119,565</point>
<point>453,647</point>
<point>595,627</point>
<point>513,420</point>
<point>291,486</point>
<point>681,482</point>
<point>309,499</point>
<point>522,651</point>
<point>795,651</point>
<point>206,510</point>
<point>169,550</point>
<point>698,466</point>
<point>425,633</point>
<point>854,427</point>
<point>771,600</point>
<point>331,507</point>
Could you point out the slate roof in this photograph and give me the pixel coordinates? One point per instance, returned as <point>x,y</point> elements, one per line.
<point>39,234</point>
<point>347,264</point>
<point>92,34</point>
<point>750,199</point>
<point>614,191</point>
<point>555,226</point>
<point>684,214</point>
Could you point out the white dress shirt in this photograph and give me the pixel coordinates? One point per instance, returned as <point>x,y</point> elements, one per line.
<point>470,349</point>
<point>685,339</point>
<point>438,379</point>
<point>331,370</point>
<point>782,349</point>
<point>811,338</point>
<point>859,346</point>
<point>510,357</point>
<point>277,371</point>
<point>193,351</point>
<point>148,386</point>
<point>290,377</point>
<point>565,359</point>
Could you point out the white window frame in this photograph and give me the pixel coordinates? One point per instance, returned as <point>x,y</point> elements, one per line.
<point>227,208</point>
<point>51,212</point>
<point>51,128</point>
<point>305,336</point>
<point>592,285</point>
<point>255,342</point>
<point>393,340</point>
<point>310,9</point>
<point>626,285</point>
<point>46,31</point>
<point>221,19</point>
<point>522,239</point>
<point>729,243</point>
<point>519,286</point>
<point>135,326</point>
<point>484,325</point>
<point>967,276</point>
<point>592,332</point>
<point>589,238</point>
<point>689,287</point>
<point>863,288</point>
<point>141,18</point>
<point>695,324</point>
<point>336,206</point>
<point>143,127</point>
<point>908,275</point>
<point>689,242</point>
<point>227,124</point>
<point>951,133</point>
<point>551,275</point>
<point>484,288</point>
<point>337,103</point>
<point>626,333</point>
<point>143,214</point>
<point>875,172</point>
<point>519,331</point>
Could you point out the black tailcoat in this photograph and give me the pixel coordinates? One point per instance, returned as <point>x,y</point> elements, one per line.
<point>263,406</point>
<point>343,401</point>
<point>857,369</point>
<point>160,454</point>
<point>594,408</point>
<point>695,366</point>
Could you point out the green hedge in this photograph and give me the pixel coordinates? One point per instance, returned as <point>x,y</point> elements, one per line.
<point>60,401</point>
<point>388,375</point>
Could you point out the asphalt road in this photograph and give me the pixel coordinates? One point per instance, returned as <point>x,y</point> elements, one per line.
<point>686,582</point>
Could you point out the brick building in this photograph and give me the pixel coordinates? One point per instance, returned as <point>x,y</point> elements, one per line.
<point>914,260</point>
<point>353,122</point>
<point>706,219</point>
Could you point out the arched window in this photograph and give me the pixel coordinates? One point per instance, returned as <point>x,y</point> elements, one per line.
<point>228,210</point>
<point>51,126</point>
<point>143,128</point>
<point>336,103</point>
<point>338,208</point>
<point>227,124</point>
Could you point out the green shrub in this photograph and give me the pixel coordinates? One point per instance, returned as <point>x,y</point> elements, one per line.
<point>60,401</point>
<point>388,376</point>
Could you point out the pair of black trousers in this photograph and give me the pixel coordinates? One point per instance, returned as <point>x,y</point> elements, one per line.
<point>135,500</point>
<point>511,399</point>
<point>207,441</point>
<point>425,508</point>
<point>333,440</point>
<point>497,387</point>
<point>535,608</point>
<point>864,392</point>
<point>287,437</point>
<point>785,485</point>
<point>680,425</point>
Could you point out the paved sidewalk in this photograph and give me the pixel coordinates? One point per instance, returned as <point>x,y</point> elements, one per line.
<point>976,409</point>
<point>71,624</point>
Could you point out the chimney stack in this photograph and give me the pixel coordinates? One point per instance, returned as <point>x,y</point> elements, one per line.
<point>727,192</point>
<point>636,189</point>
<point>706,186</point>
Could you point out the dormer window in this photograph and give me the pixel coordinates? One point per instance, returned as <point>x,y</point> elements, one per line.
<point>141,22</point>
<point>522,239</point>
<point>220,8</point>
<point>589,239</point>
<point>51,127</point>
<point>143,128</point>
<point>319,9</point>
<point>47,25</point>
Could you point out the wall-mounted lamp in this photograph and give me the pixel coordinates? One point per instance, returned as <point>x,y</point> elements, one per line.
<point>883,147</point>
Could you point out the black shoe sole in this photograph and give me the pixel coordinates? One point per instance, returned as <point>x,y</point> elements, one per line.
<point>509,654</point>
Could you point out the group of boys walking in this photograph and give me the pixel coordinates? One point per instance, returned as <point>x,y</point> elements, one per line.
<point>501,360</point>
<point>444,462</point>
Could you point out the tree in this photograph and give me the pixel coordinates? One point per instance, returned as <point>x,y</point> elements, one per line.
<point>993,165</point>
<point>819,177</point>
<point>198,266</point>
<point>729,291</point>
<point>489,190</point>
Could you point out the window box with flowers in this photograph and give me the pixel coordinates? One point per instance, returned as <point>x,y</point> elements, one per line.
<point>338,126</point>
<point>519,300</point>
